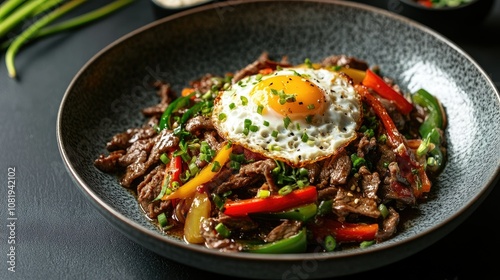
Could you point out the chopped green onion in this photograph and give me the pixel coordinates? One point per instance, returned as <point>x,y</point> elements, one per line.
<point>260,108</point>
<point>232,106</point>
<point>330,243</point>
<point>164,158</point>
<point>222,230</point>
<point>244,100</point>
<point>266,123</point>
<point>254,128</point>
<point>285,190</point>
<point>286,121</point>
<point>162,220</point>
<point>274,133</point>
<point>263,193</point>
<point>308,63</point>
<point>216,166</point>
<point>219,202</point>
<point>366,244</point>
<point>222,117</point>
<point>384,212</point>
<point>311,107</point>
<point>304,137</point>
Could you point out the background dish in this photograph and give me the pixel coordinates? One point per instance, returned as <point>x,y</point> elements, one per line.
<point>100,102</point>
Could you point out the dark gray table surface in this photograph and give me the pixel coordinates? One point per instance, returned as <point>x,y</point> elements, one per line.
<point>59,235</point>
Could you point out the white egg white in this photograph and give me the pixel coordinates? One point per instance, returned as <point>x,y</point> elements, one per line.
<point>299,142</point>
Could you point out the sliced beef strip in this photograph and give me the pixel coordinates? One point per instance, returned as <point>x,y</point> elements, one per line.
<point>214,240</point>
<point>284,230</point>
<point>149,189</point>
<point>366,146</point>
<point>335,170</point>
<point>313,171</point>
<point>369,182</point>
<point>250,174</point>
<point>327,193</point>
<point>347,202</point>
<point>389,226</point>
<point>143,154</point>
<point>344,60</point>
<point>109,163</point>
<point>198,124</point>
<point>394,187</point>
<point>240,224</point>
<point>261,63</point>
<point>166,94</point>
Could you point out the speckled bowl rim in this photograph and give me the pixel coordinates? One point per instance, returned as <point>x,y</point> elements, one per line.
<point>388,251</point>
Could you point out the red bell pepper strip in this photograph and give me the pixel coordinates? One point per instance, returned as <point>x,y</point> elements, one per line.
<point>342,231</point>
<point>378,84</point>
<point>395,138</point>
<point>173,172</point>
<point>420,182</point>
<point>175,169</point>
<point>273,203</point>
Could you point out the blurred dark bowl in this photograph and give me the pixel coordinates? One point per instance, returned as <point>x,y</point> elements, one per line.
<point>450,21</point>
<point>161,9</point>
<point>447,20</point>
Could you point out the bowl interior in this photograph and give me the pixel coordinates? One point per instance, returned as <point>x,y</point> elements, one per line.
<point>107,95</point>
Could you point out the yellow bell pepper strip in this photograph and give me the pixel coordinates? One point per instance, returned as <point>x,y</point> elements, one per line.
<point>294,244</point>
<point>356,75</point>
<point>273,203</point>
<point>205,175</point>
<point>378,84</point>
<point>343,231</point>
<point>301,213</point>
<point>413,171</point>
<point>199,210</point>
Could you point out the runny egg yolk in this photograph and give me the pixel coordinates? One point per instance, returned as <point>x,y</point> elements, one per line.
<point>292,95</point>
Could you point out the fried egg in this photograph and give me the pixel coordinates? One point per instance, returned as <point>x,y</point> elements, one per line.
<point>297,115</point>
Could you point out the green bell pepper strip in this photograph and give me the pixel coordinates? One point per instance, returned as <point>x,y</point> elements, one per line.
<point>432,125</point>
<point>301,213</point>
<point>435,117</point>
<point>294,244</point>
<point>173,107</point>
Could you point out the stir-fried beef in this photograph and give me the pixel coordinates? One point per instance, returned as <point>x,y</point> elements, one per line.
<point>335,170</point>
<point>214,240</point>
<point>145,153</point>
<point>354,181</point>
<point>249,175</point>
<point>353,202</point>
<point>389,226</point>
<point>346,61</point>
<point>262,62</point>
<point>284,230</point>
<point>149,189</point>
<point>166,94</point>
<point>199,123</point>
